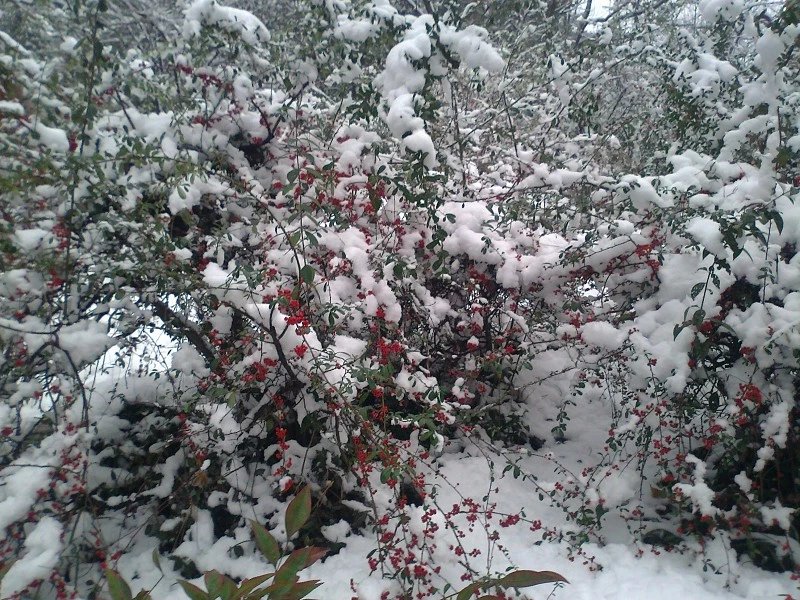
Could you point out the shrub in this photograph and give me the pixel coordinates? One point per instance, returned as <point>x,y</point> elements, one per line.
<point>231,266</point>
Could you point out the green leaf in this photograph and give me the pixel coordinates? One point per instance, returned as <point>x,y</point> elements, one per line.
<point>778,221</point>
<point>5,569</point>
<point>307,274</point>
<point>303,589</point>
<point>267,544</point>
<point>143,595</point>
<point>194,592</point>
<point>467,592</point>
<point>388,473</point>
<point>297,561</point>
<point>294,590</point>
<point>523,578</point>
<point>220,586</point>
<point>697,288</point>
<point>117,588</point>
<point>258,594</point>
<point>157,560</point>
<point>281,587</point>
<point>248,585</point>
<point>298,512</point>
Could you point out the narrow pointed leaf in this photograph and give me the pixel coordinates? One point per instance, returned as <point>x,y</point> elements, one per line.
<point>220,586</point>
<point>467,592</point>
<point>157,560</point>
<point>248,585</point>
<point>297,561</point>
<point>267,544</point>
<point>298,512</point>
<point>302,589</point>
<point>307,274</point>
<point>194,592</point>
<point>523,578</point>
<point>117,588</point>
<point>5,569</point>
<point>280,589</point>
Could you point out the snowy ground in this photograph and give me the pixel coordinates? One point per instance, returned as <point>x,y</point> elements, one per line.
<point>655,575</point>
<point>622,576</point>
<point>621,567</point>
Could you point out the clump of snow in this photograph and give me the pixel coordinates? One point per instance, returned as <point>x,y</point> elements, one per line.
<point>11,108</point>
<point>30,239</point>
<point>744,482</point>
<point>168,471</point>
<point>52,137</point>
<point>602,335</point>
<point>721,9</point>
<point>471,46</point>
<point>403,78</point>
<point>701,496</point>
<point>765,454</point>
<point>42,549</point>
<point>336,532</point>
<point>84,342</point>
<point>234,20</point>
<point>22,478</point>
<point>769,47</point>
<point>188,360</point>
<point>776,425</point>
<point>778,515</point>
<point>708,233</point>
<point>704,73</point>
<point>355,30</point>
<point>187,195</point>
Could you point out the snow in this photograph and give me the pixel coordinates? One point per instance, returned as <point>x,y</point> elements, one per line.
<point>401,80</point>
<point>708,233</point>
<point>704,73</point>
<point>700,495</point>
<point>501,265</point>
<point>188,361</point>
<point>655,575</point>
<point>20,489</point>
<point>167,470</point>
<point>602,334</point>
<point>208,12</point>
<point>420,141</point>
<point>721,9</point>
<point>471,46</point>
<point>779,515</point>
<point>354,30</point>
<point>52,137</point>
<point>42,552</point>
<point>31,472</point>
<point>84,342</point>
<point>769,48</point>
<point>30,239</point>
<point>187,195</point>
<point>11,108</point>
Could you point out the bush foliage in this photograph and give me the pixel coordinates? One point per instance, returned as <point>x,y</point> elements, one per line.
<point>236,260</point>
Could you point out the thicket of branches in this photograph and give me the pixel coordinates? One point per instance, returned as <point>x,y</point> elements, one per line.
<point>235,259</point>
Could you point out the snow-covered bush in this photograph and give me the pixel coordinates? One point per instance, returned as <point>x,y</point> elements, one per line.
<point>234,264</point>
